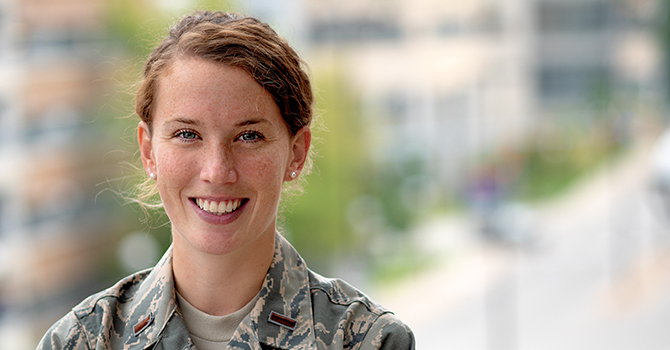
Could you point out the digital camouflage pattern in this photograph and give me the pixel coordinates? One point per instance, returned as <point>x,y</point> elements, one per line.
<point>326,314</point>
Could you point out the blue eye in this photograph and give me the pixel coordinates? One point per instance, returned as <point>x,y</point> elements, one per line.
<point>186,134</point>
<point>251,136</point>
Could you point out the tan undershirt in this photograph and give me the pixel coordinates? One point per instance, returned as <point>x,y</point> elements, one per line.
<point>212,332</point>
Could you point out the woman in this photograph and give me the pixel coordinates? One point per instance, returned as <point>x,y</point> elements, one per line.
<point>225,112</point>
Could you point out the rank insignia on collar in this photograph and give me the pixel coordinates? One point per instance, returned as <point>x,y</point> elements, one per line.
<point>282,320</point>
<point>143,324</point>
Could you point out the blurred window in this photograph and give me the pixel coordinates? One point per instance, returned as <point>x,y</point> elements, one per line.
<point>48,43</point>
<point>486,22</point>
<point>4,110</point>
<point>452,113</point>
<point>452,106</point>
<point>572,16</point>
<point>353,30</point>
<point>573,83</point>
<point>44,216</point>
<point>2,216</point>
<point>58,126</point>
<point>62,199</point>
<point>51,134</point>
<point>448,28</point>
<point>3,21</point>
<point>396,106</point>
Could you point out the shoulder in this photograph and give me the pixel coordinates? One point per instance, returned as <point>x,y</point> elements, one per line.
<point>66,334</point>
<point>123,291</point>
<point>79,327</point>
<point>346,317</point>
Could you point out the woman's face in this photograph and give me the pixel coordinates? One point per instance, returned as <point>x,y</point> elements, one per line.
<point>221,151</point>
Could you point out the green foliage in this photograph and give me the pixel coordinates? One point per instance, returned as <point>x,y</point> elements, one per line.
<point>387,185</point>
<point>550,169</point>
<point>140,25</point>
<point>219,5</point>
<point>662,29</point>
<point>397,267</point>
<point>137,25</point>
<point>316,221</point>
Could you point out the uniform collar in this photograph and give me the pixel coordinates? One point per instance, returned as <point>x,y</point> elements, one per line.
<point>285,296</point>
<point>153,304</point>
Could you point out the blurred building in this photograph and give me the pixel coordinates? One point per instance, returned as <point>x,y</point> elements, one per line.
<point>440,83</point>
<point>444,83</point>
<point>592,51</point>
<point>51,158</point>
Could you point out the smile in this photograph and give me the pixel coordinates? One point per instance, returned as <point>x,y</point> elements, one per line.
<point>218,208</point>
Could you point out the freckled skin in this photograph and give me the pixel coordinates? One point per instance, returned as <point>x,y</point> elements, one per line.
<point>217,134</point>
<point>199,148</point>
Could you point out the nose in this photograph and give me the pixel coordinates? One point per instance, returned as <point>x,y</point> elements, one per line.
<point>218,165</point>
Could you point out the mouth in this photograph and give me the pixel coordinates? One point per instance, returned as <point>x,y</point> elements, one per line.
<point>219,208</point>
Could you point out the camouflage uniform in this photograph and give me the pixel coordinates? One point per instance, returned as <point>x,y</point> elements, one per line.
<point>297,309</point>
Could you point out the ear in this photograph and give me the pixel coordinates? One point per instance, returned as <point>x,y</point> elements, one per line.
<point>299,149</point>
<point>146,148</point>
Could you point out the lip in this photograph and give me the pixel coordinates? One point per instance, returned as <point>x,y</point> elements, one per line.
<point>218,219</point>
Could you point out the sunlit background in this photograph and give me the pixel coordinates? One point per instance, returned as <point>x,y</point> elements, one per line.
<point>494,171</point>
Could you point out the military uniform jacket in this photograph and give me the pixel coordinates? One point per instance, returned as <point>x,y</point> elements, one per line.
<point>297,309</point>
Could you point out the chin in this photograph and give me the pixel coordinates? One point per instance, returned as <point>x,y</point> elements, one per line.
<point>218,243</point>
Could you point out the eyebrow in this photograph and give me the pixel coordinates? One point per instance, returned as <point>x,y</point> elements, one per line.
<point>251,122</point>
<point>240,124</point>
<point>184,121</point>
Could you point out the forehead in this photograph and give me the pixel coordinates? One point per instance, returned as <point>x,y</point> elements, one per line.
<point>205,88</point>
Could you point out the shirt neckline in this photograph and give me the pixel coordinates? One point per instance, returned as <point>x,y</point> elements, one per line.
<point>210,327</point>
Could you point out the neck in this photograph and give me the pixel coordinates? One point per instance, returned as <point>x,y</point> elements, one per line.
<point>221,284</point>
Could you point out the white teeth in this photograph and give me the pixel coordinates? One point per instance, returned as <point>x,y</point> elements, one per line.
<point>218,208</point>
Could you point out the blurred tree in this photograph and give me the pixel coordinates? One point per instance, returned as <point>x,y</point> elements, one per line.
<point>316,220</point>
<point>663,25</point>
<point>141,24</point>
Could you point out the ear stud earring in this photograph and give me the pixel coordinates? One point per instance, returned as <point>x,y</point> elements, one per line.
<point>293,175</point>
<point>152,176</point>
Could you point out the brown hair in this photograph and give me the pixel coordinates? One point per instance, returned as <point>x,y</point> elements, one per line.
<point>239,41</point>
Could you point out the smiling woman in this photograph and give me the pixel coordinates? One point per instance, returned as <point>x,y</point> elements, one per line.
<point>225,111</point>
<point>219,139</point>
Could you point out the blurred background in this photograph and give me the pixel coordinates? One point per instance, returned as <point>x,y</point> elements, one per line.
<point>494,171</point>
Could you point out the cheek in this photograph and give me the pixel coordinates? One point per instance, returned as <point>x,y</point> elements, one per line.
<point>267,170</point>
<point>173,168</point>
